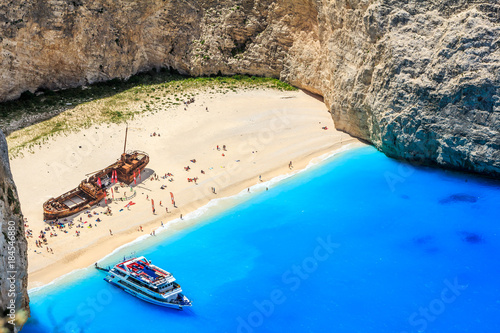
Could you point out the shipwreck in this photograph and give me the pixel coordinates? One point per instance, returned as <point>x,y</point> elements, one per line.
<point>93,189</point>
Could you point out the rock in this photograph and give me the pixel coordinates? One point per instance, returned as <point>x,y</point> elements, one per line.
<point>418,79</point>
<point>13,245</point>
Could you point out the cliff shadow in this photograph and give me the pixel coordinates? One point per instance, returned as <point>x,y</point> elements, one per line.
<point>43,104</point>
<point>313,95</point>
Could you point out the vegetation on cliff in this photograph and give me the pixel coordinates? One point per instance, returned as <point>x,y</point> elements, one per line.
<point>114,101</point>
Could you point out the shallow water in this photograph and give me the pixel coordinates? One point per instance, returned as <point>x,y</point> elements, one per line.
<point>359,243</point>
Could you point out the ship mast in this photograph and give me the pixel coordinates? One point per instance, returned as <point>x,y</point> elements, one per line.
<point>125,145</point>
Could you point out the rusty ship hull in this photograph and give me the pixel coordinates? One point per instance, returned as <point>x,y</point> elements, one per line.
<point>89,192</point>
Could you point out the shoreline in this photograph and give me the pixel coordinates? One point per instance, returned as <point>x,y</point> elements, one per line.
<point>263,131</point>
<point>51,274</point>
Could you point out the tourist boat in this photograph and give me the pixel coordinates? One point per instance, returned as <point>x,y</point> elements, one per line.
<point>93,189</point>
<point>140,278</point>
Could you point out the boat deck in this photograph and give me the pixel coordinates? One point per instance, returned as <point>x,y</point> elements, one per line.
<point>74,201</point>
<point>142,269</point>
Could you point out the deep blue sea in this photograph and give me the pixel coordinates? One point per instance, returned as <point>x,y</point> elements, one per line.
<point>358,243</point>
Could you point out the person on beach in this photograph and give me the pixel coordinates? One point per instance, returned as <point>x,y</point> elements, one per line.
<point>140,227</point>
<point>260,177</point>
<point>290,166</point>
<point>249,189</point>
<point>110,232</point>
<point>181,216</point>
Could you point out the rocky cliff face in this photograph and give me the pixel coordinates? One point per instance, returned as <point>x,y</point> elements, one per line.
<point>418,79</point>
<point>422,82</point>
<point>13,257</point>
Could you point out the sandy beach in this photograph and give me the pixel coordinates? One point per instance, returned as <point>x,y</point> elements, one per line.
<point>262,130</point>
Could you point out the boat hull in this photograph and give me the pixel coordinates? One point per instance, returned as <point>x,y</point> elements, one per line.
<point>129,166</point>
<point>147,299</point>
<point>51,215</point>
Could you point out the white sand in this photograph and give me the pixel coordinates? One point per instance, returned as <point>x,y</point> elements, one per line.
<point>263,129</point>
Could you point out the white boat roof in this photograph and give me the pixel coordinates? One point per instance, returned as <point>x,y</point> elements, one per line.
<point>142,269</point>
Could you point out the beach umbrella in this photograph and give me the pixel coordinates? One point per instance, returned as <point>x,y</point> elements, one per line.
<point>99,182</point>
<point>172,197</point>
<point>112,193</point>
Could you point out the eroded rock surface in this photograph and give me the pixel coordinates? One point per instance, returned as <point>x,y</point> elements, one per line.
<point>418,79</point>
<point>13,246</point>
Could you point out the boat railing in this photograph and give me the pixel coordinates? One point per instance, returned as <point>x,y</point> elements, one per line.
<point>130,152</point>
<point>125,198</point>
<point>181,301</point>
<point>172,292</point>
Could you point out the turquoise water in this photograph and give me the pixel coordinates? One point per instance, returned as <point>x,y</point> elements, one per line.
<point>359,243</point>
